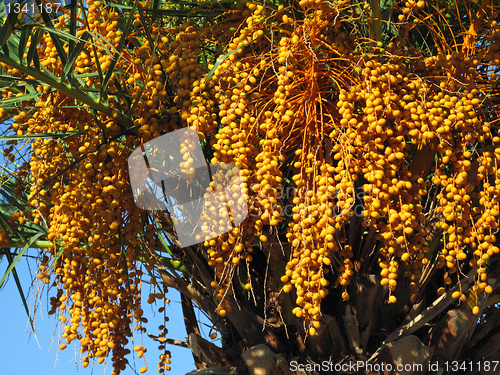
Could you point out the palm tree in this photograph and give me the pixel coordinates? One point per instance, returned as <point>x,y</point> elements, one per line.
<point>365,139</point>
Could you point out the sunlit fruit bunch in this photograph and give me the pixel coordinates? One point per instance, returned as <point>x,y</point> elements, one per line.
<point>347,114</point>
<point>233,145</point>
<point>96,247</point>
<point>295,98</point>
<point>80,186</point>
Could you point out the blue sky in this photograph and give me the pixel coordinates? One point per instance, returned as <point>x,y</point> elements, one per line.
<point>21,355</point>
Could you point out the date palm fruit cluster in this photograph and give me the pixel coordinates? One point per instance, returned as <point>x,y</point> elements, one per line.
<point>304,102</point>
<point>80,189</point>
<point>395,117</point>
